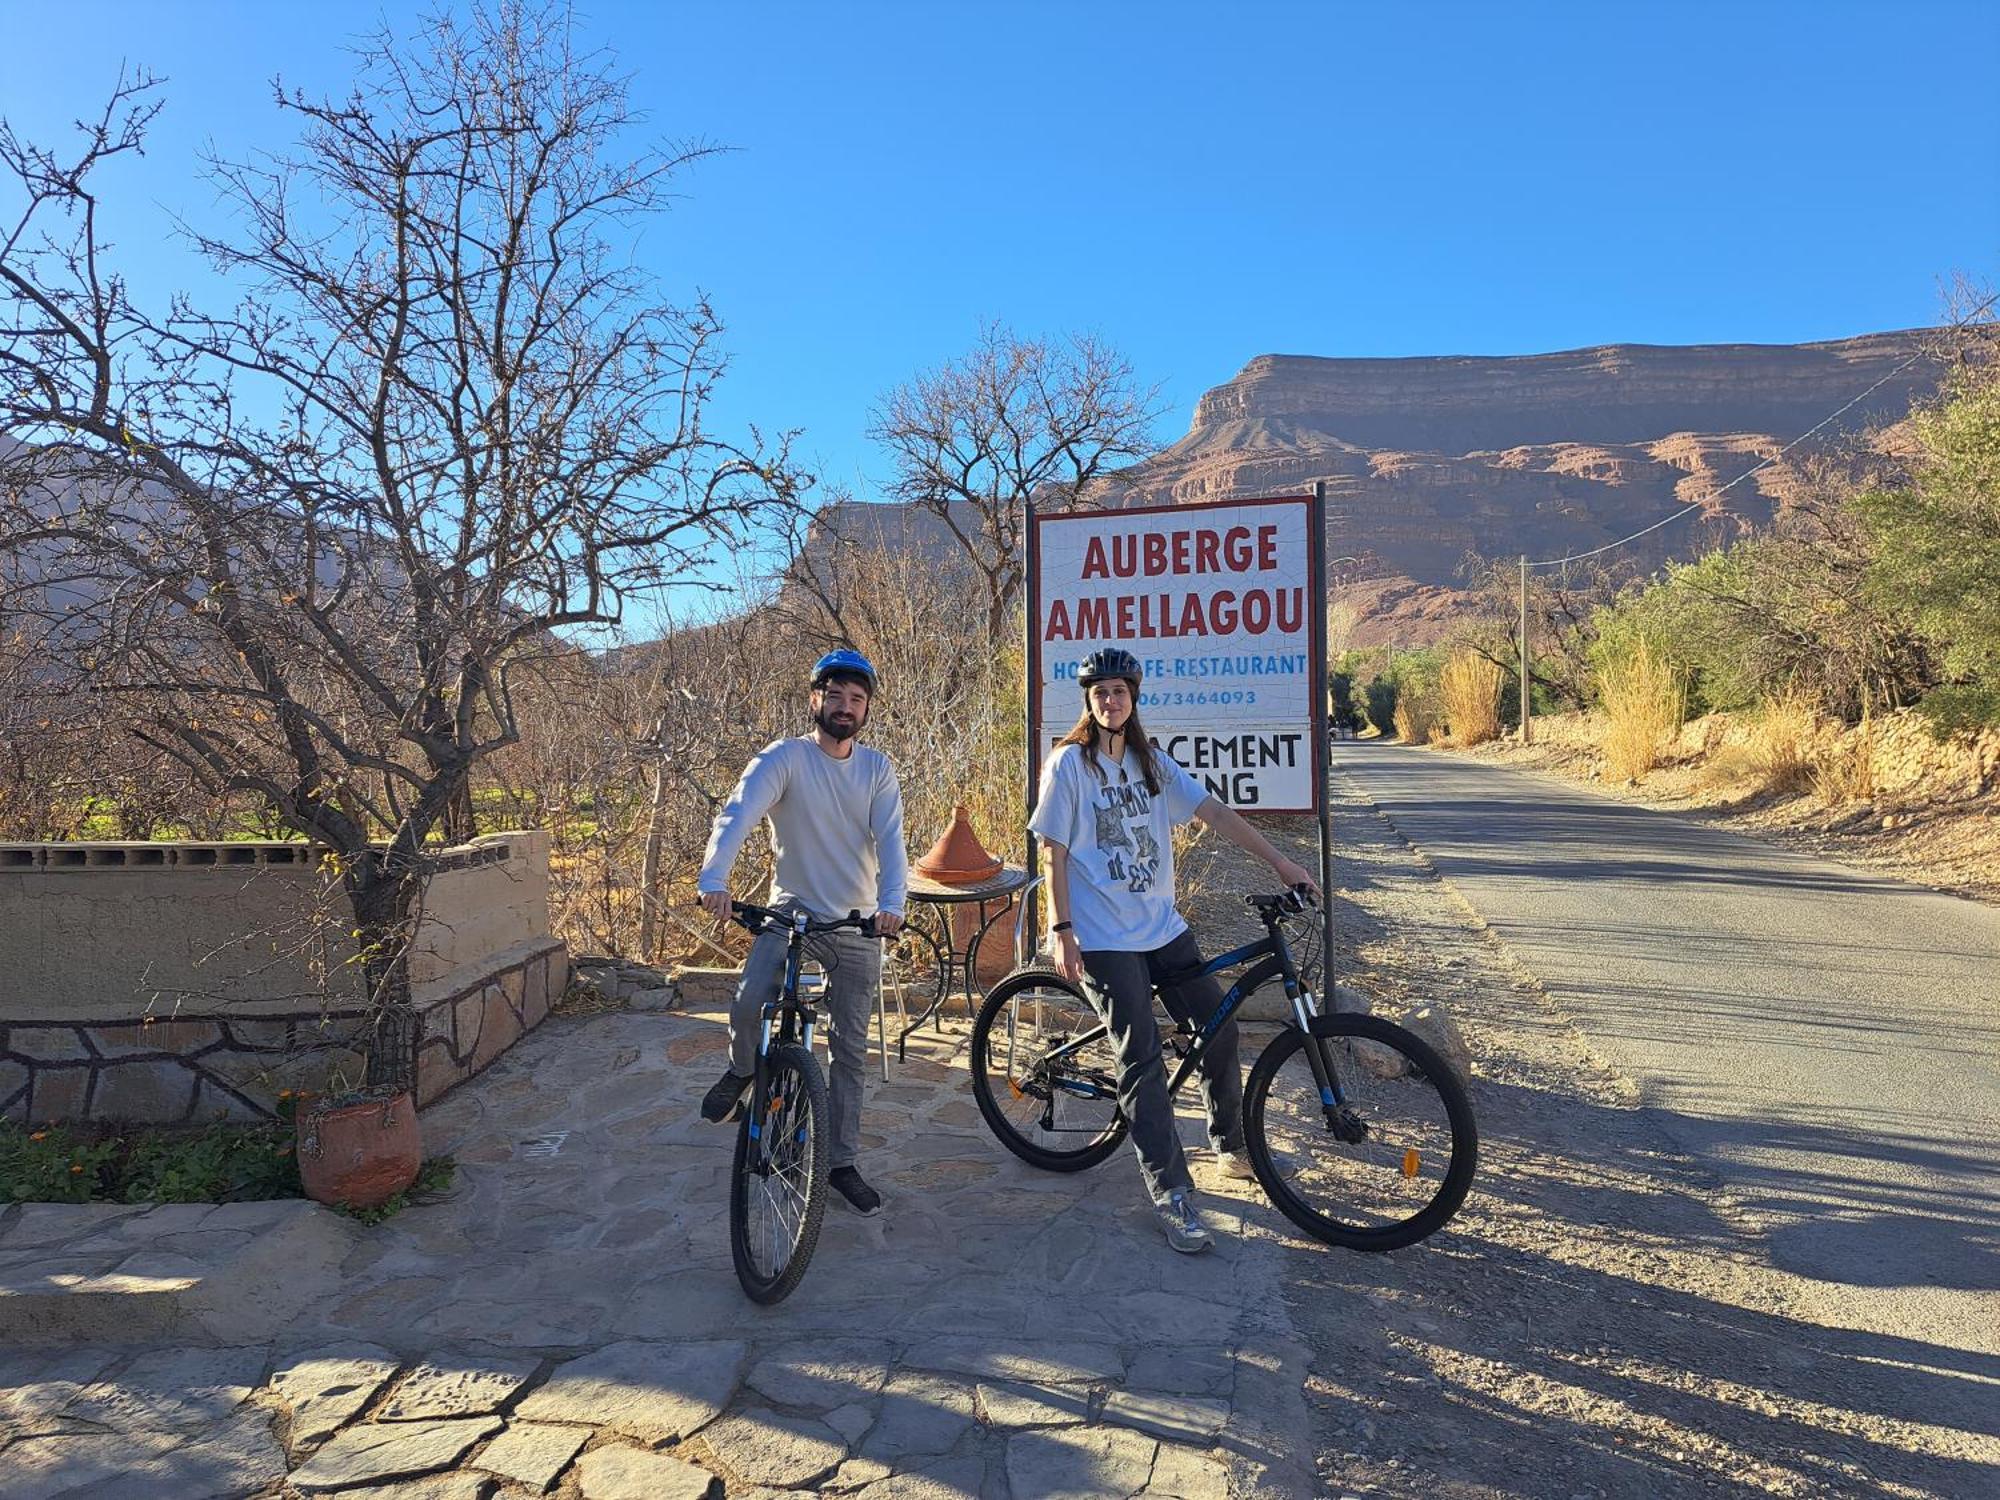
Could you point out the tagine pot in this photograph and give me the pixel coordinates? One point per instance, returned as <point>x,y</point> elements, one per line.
<point>958,858</point>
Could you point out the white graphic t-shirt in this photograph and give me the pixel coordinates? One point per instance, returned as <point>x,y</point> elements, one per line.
<point>1121,850</point>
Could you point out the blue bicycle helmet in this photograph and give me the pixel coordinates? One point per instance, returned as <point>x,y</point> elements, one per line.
<point>835,663</point>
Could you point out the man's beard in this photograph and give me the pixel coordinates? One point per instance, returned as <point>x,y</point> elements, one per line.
<point>837,731</point>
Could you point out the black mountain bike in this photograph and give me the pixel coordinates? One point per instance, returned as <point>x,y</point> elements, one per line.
<point>1359,1132</point>
<point>777,1184</point>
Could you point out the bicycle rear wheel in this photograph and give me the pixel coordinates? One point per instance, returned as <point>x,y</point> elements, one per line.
<point>1045,1073</point>
<point>1386,1165</point>
<point>777,1185</point>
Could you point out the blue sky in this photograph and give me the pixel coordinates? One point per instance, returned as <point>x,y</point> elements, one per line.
<point>1200,183</point>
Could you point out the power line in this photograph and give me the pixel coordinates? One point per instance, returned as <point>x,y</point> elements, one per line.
<point>1695,508</point>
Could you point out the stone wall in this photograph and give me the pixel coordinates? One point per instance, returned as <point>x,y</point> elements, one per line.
<point>186,982</point>
<point>231,1068</point>
<point>107,931</point>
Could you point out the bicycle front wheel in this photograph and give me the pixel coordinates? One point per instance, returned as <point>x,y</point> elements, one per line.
<point>1045,1073</point>
<point>1385,1163</point>
<point>777,1186</point>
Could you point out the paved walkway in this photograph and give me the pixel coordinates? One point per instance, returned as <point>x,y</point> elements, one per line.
<point>568,1320</point>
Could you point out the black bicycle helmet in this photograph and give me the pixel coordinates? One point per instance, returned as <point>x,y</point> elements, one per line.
<point>1110,661</point>
<point>843,663</point>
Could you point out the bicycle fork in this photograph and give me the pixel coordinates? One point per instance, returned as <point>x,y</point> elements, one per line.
<point>763,1108</point>
<point>1341,1122</point>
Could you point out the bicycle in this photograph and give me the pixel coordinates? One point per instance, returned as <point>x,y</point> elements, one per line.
<point>1358,1131</point>
<point>777,1183</point>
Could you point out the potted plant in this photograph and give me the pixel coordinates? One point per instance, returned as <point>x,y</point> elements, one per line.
<point>358,1147</point>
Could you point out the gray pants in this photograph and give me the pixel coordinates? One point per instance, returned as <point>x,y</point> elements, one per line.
<point>1120,986</point>
<point>854,973</point>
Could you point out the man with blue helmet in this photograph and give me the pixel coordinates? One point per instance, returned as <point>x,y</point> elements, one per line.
<point>836,815</point>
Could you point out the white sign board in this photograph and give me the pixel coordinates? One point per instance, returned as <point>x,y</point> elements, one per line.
<point>1223,606</point>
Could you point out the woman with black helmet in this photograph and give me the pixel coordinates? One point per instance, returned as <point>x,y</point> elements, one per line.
<point>1107,807</point>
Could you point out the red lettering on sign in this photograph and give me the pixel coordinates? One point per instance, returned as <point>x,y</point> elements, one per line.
<point>1156,554</point>
<point>1256,612</point>
<point>1193,621</point>
<point>1124,555</point>
<point>1205,543</point>
<point>1292,619</point>
<point>1222,612</point>
<point>1094,565</point>
<point>1267,547</point>
<point>1236,549</point>
<point>1093,619</point>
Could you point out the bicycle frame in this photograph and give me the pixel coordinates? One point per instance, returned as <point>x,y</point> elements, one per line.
<point>1276,954</point>
<point>789,1018</point>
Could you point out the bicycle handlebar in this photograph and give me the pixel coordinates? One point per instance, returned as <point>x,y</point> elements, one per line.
<point>764,918</point>
<point>1300,898</point>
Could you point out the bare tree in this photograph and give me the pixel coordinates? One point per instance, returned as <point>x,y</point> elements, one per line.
<point>310,541</point>
<point>1016,418</point>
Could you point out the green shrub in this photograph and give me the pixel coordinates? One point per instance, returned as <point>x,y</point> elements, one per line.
<point>50,1165</point>
<point>1961,708</point>
<point>223,1164</point>
<point>217,1164</point>
<point>1684,616</point>
<point>1936,553</point>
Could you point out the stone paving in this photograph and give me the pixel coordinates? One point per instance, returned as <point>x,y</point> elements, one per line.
<point>567,1322</point>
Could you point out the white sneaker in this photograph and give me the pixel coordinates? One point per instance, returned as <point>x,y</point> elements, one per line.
<point>1236,1164</point>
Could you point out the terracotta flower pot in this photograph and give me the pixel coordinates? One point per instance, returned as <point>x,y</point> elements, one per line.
<point>361,1154</point>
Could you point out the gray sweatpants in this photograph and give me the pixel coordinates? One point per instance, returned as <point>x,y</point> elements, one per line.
<point>1120,987</point>
<point>854,971</point>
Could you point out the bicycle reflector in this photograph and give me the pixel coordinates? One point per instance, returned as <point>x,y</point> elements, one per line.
<point>1412,1159</point>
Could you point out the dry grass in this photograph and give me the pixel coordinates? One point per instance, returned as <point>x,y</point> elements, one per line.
<point>1470,690</point>
<point>1783,742</point>
<point>1416,719</point>
<point>1645,699</point>
<point>1729,766</point>
<point>1790,750</point>
<point>1844,771</point>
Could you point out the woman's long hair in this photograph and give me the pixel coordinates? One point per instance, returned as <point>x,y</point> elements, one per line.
<point>1088,733</point>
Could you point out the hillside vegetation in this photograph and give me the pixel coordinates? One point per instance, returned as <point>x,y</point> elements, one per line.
<point>1838,672</point>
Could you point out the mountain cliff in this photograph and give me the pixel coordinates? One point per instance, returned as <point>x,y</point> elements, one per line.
<point>1428,460</point>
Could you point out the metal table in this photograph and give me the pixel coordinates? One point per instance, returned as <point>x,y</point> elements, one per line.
<point>933,946</point>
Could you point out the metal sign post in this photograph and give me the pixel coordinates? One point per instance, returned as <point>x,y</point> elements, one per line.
<point>1322,739</point>
<point>1032,701</point>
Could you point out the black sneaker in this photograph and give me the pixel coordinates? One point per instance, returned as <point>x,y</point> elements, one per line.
<point>719,1103</point>
<point>860,1197</point>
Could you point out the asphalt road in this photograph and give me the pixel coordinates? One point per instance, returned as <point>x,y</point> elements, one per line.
<point>1826,1042</point>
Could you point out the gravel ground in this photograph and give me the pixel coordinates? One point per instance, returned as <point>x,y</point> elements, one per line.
<point>1599,1320</point>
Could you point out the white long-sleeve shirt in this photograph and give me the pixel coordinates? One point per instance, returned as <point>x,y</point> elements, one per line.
<point>836,825</point>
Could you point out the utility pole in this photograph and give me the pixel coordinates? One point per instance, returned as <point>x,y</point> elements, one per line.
<point>1527,692</point>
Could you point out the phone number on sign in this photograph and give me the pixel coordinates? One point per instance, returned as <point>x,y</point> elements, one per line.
<point>1197,700</point>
